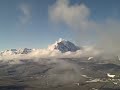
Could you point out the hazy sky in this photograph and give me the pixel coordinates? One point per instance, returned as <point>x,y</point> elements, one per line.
<point>29,23</point>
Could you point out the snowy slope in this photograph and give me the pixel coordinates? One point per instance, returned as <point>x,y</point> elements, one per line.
<point>63,46</point>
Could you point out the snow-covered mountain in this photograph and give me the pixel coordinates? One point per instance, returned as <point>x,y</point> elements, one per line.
<point>60,45</point>
<point>63,46</point>
<point>16,51</point>
<point>24,51</point>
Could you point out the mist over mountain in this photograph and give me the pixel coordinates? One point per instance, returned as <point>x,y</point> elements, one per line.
<point>60,49</point>
<point>60,45</point>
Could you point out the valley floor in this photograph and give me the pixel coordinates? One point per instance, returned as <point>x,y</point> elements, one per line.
<point>61,74</point>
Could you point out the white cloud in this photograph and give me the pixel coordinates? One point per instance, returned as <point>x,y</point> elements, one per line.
<point>75,16</point>
<point>25,16</point>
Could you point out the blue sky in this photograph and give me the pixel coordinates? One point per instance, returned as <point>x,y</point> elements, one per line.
<point>26,23</point>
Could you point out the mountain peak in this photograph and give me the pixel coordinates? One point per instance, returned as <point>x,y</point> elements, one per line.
<point>60,40</point>
<point>63,46</point>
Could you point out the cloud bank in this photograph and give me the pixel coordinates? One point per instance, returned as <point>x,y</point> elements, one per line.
<point>46,53</point>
